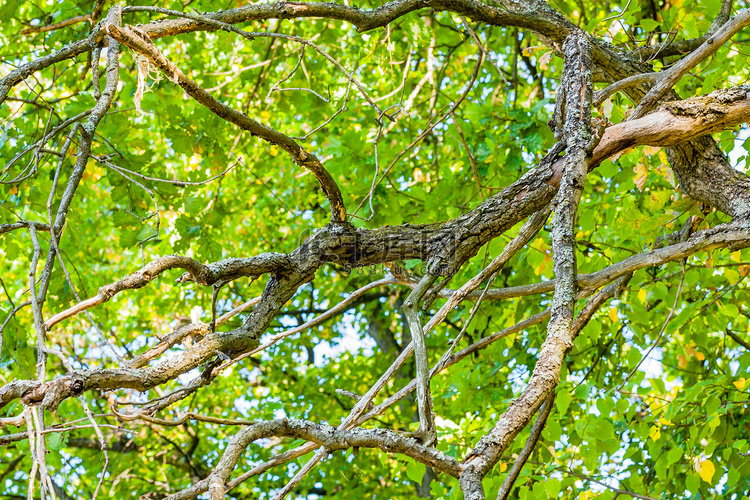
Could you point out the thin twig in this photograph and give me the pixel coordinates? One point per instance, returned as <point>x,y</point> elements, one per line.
<point>428,129</point>
<point>661,332</point>
<point>536,432</point>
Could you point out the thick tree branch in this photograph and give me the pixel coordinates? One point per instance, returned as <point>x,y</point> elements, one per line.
<point>364,20</point>
<point>40,226</point>
<point>577,134</point>
<point>323,435</point>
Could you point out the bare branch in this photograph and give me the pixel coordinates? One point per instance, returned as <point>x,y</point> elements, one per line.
<point>39,226</point>
<point>364,20</point>
<point>323,435</point>
<point>427,432</point>
<point>56,26</point>
<point>203,274</point>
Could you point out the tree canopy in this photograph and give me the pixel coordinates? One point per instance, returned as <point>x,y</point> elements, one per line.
<point>423,248</point>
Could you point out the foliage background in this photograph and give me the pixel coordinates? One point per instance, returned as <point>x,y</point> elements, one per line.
<point>677,428</point>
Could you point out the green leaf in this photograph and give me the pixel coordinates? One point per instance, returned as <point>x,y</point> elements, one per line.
<point>674,455</point>
<point>649,24</point>
<point>712,404</point>
<point>552,487</point>
<point>56,441</point>
<point>563,400</point>
<point>415,471</point>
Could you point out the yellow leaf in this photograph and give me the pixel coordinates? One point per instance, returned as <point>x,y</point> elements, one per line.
<point>641,175</point>
<point>544,60</point>
<point>274,150</point>
<point>681,361</point>
<point>664,421</point>
<point>698,355</point>
<point>642,295</point>
<point>740,383</point>
<point>655,433</point>
<point>265,115</point>
<point>613,314</point>
<point>503,467</point>
<point>665,171</point>
<point>540,269</point>
<point>706,470</point>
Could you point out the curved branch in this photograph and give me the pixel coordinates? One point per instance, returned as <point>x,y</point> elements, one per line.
<point>56,26</point>
<point>223,270</point>
<point>323,435</point>
<point>143,45</point>
<point>364,20</point>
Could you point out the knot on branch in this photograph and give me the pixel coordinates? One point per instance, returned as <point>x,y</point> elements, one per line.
<point>76,387</point>
<point>291,9</point>
<point>337,243</point>
<point>52,393</point>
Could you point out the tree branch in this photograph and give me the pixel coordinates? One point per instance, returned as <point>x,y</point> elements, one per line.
<point>669,78</point>
<point>144,45</point>
<point>536,432</point>
<point>228,269</point>
<point>427,432</point>
<point>577,134</point>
